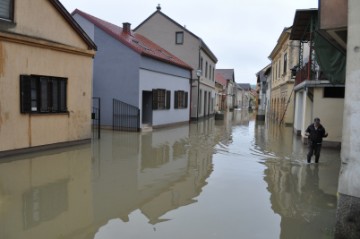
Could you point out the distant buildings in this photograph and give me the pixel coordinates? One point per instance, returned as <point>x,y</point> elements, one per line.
<point>190,48</point>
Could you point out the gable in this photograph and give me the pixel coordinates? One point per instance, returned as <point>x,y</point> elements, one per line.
<point>162,29</point>
<point>42,20</point>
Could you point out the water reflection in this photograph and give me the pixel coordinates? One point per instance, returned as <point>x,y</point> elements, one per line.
<point>208,179</point>
<point>46,195</point>
<point>303,194</point>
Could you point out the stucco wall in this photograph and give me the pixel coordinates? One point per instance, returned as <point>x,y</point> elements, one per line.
<point>162,31</point>
<point>116,74</point>
<point>25,130</point>
<point>329,110</point>
<point>150,80</point>
<point>38,18</point>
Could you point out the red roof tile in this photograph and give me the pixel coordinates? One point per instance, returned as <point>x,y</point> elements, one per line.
<point>135,41</point>
<point>220,78</point>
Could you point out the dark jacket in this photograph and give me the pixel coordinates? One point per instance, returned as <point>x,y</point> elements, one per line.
<point>316,135</point>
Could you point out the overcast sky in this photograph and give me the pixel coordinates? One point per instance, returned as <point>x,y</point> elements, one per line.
<point>240,33</point>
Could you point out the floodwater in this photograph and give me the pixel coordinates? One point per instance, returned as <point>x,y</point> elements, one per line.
<point>235,178</point>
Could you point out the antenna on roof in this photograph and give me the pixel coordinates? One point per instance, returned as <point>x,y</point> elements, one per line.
<point>158,7</point>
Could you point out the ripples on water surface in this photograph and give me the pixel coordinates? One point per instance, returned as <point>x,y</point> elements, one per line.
<point>213,179</point>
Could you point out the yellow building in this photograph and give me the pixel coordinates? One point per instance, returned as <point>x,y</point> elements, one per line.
<point>283,58</point>
<point>46,64</point>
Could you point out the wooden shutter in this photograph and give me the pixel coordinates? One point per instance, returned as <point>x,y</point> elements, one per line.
<point>154,99</point>
<point>186,99</point>
<point>176,101</point>
<point>168,94</point>
<point>62,95</point>
<point>25,94</point>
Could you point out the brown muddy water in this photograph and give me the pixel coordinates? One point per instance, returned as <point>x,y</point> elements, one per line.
<point>229,179</point>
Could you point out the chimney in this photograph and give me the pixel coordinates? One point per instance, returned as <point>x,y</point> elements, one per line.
<point>127,28</point>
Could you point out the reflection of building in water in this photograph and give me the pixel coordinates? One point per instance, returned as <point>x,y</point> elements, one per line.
<point>296,195</point>
<point>46,195</point>
<point>72,193</point>
<point>155,172</point>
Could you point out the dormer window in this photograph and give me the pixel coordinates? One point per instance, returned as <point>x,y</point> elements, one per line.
<point>6,10</point>
<point>179,38</point>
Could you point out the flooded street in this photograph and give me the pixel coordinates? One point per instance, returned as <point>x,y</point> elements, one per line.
<point>210,179</point>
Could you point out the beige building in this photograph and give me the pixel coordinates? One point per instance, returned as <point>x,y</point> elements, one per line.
<point>45,76</point>
<point>190,48</point>
<point>283,58</point>
<point>319,79</point>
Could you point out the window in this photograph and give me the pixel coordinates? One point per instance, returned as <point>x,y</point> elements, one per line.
<point>179,38</point>
<point>279,70</point>
<point>209,71</point>
<point>181,99</point>
<point>334,92</point>
<point>206,69</point>
<point>285,63</point>
<point>42,94</point>
<point>161,99</point>
<point>6,10</point>
<point>202,65</point>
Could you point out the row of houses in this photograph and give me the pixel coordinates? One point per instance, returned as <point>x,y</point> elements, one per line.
<point>53,72</point>
<point>306,76</point>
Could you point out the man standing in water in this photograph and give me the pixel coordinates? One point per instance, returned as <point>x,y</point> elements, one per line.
<point>315,132</point>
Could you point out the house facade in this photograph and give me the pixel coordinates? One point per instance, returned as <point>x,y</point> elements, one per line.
<point>220,92</point>
<point>229,76</point>
<point>319,79</point>
<point>132,71</point>
<point>45,77</point>
<point>283,58</point>
<point>262,87</point>
<point>190,48</point>
<point>244,97</point>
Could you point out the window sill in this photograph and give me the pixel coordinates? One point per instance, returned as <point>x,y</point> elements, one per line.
<point>48,113</point>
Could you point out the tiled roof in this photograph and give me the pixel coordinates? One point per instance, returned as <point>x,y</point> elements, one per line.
<point>135,41</point>
<point>245,86</point>
<point>228,74</point>
<point>219,78</point>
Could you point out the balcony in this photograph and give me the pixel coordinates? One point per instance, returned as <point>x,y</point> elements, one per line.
<point>303,74</point>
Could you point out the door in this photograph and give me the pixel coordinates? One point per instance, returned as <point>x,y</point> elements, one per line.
<point>147,107</point>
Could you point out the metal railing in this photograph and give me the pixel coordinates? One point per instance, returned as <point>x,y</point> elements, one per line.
<point>126,117</point>
<point>95,116</point>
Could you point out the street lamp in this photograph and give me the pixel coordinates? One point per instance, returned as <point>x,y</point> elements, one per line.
<point>198,74</point>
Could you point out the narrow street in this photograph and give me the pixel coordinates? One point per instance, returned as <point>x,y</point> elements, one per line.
<point>233,178</point>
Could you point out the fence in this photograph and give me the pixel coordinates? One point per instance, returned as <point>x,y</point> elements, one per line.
<point>95,116</point>
<point>125,117</point>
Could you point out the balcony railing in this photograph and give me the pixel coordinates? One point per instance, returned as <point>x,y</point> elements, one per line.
<point>303,74</point>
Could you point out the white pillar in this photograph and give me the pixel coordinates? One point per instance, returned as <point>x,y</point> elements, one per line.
<point>348,213</point>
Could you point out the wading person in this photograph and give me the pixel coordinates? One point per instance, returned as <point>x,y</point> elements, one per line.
<point>315,132</point>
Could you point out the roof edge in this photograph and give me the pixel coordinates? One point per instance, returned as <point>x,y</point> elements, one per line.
<point>68,17</point>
